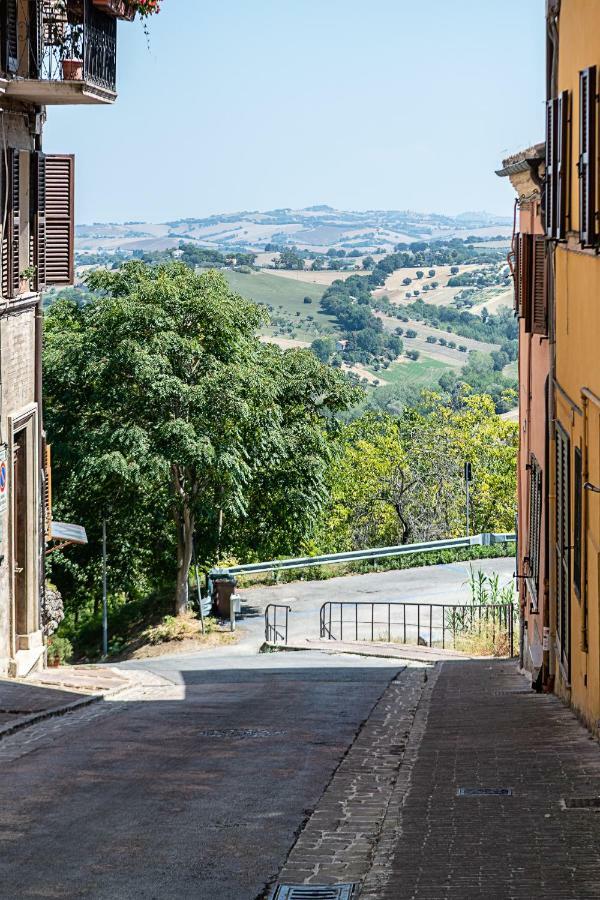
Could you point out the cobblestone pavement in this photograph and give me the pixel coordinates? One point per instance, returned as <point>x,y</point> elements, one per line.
<point>483,727</point>
<point>338,841</point>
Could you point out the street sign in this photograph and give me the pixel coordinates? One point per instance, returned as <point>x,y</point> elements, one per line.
<point>3,478</point>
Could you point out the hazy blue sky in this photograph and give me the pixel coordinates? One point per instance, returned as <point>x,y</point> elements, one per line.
<point>390,104</point>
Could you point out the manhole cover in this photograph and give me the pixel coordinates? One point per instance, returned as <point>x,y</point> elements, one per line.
<point>581,803</point>
<point>315,892</point>
<point>484,792</point>
<point>240,733</point>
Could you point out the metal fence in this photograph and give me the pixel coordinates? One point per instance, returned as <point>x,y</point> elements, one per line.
<point>278,565</point>
<point>275,632</point>
<point>426,624</point>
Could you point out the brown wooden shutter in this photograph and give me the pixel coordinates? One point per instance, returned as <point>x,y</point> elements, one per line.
<point>587,156</point>
<point>523,275</point>
<point>38,175</point>
<point>562,551</point>
<point>550,189</point>
<point>515,274</point>
<point>538,305</point>
<point>13,224</point>
<point>562,145</point>
<point>535,526</point>
<point>10,43</point>
<point>60,224</point>
<point>47,482</point>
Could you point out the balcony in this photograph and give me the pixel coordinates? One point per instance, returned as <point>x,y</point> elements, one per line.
<point>59,52</point>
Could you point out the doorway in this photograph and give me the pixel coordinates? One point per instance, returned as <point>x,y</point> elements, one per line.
<point>21,531</point>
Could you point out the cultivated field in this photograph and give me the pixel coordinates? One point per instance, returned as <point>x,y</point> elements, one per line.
<point>451,357</point>
<point>441,296</point>
<point>304,276</point>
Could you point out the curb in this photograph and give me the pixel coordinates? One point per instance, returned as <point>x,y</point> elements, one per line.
<point>7,730</point>
<point>359,651</point>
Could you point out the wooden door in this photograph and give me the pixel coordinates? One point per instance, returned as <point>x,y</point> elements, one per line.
<point>20,530</point>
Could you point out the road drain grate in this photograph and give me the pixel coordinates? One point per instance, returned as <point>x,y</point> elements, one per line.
<point>315,892</point>
<point>581,803</point>
<point>241,733</point>
<point>484,792</point>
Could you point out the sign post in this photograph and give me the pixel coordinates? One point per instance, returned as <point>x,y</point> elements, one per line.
<point>3,489</point>
<point>104,594</point>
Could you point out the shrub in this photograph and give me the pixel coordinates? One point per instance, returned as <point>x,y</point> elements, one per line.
<point>307,300</point>
<point>60,650</point>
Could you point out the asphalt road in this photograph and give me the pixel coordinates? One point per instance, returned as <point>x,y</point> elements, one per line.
<point>195,791</point>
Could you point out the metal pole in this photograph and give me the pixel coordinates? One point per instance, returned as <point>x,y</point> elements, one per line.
<point>198,591</point>
<point>467,497</point>
<point>104,594</point>
<point>232,613</point>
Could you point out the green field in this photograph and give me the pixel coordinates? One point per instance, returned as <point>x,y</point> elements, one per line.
<point>275,291</point>
<point>512,369</point>
<point>424,372</point>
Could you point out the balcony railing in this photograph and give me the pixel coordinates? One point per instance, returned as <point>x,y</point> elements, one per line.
<point>69,55</point>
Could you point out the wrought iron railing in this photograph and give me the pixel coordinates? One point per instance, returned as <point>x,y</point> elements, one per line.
<point>65,30</point>
<point>427,624</point>
<point>276,633</point>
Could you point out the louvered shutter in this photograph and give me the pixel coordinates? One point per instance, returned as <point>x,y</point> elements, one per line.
<point>550,189</point>
<point>38,260</point>
<point>47,485</point>
<point>562,166</point>
<point>535,525</point>
<point>538,305</point>
<point>587,156</point>
<point>562,528</point>
<point>60,223</point>
<point>10,44</point>
<point>36,38</point>
<point>515,274</point>
<point>523,275</point>
<point>14,222</point>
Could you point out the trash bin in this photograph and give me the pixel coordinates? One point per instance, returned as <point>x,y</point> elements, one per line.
<point>223,591</point>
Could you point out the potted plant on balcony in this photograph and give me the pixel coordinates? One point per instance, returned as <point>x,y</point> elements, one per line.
<point>71,53</point>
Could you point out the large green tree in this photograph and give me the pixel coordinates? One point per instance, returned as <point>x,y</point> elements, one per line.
<point>166,409</point>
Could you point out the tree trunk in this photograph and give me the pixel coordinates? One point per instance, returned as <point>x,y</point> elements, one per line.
<point>184,522</point>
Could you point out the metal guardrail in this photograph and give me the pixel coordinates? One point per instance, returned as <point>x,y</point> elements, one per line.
<point>273,634</point>
<point>278,565</point>
<point>425,624</point>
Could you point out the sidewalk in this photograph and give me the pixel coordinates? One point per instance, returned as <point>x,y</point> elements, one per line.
<point>54,692</point>
<point>405,833</point>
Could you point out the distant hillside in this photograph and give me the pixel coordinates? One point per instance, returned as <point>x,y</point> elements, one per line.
<point>315,228</point>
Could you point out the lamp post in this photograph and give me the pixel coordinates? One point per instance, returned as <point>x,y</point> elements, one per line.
<point>468,480</point>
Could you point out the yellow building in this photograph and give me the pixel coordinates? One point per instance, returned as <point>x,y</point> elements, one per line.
<point>572,218</point>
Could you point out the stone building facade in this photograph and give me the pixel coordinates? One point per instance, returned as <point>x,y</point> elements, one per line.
<point>51,52</point>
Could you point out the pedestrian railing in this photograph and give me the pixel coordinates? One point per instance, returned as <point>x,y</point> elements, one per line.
<point>278,565</point>
<point>427,624</point>
<point>277,632</point>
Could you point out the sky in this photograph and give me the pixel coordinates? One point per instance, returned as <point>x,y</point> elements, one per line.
<point>238,105</point>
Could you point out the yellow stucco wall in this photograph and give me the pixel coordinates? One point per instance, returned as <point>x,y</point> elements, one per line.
<point>577,329</point>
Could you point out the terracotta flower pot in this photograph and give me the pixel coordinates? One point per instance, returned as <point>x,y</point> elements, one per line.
<point>118,8</point>
<point>72,69</point>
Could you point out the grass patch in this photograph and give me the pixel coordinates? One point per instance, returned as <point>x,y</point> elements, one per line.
<point>286,292</point>
<point>424,372</point>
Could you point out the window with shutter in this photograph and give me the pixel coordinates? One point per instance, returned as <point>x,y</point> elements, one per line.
<point>538,306</point>
<point>562,530</point>
<point>15,222</point>
<point>60,226</point>
<point>550,186</point>
<point>522,275</point>
<point>47,484</point>
<point>562,145</point>
<point>587,156</point>
<point>38,230</point>
<point>10,42</point>
<point>535,527</point>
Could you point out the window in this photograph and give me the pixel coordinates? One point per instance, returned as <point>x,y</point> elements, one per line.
<point>536,319</point>
<point>577,511</point>
<point>522,273</point>
<point>562,534</point>
<point>557,166</point>
<point>587,157</point>
<point>535,529</point>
